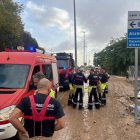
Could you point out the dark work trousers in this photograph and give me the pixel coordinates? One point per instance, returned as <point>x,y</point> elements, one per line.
<point>94,94</point>
<point>75,99</point>
<point>103,97</point>
<point>71,96</point>
<point>106,89</point>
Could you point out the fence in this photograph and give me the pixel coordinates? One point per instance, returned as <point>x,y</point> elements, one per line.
<point>131,73</point>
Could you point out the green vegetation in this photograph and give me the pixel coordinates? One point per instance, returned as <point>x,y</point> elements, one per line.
<point>27,40</point>
<point>116,57</point>
<point>11,27</point>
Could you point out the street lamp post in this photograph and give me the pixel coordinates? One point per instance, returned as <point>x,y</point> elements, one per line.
<point>86,53</point>
<point>84,48</point>
<point>75,33</point>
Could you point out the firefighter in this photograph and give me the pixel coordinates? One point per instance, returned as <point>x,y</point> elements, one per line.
<point>103,85</point>
<point>71,94</point>
<point>36,78</point>
<point>43,115</point>
<point>93,89</point>
<point>78,81</point>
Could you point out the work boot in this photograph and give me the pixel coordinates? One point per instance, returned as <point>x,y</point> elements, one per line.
<point>103,102</point>
<point>89,107</point>
<point>74,105</point>
<point>80,107</point>
<point>97,105</point>
<point>70,101</point>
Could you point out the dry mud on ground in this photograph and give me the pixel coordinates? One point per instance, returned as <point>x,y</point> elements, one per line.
<point>112,122</point>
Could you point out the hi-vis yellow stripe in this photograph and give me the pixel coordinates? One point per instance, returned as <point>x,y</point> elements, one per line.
<point>103,86</point>
<point>71,87</point>
<point>89,89</point>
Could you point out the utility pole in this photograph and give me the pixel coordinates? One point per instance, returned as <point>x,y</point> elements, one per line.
<point>86,54</point>
<point>84,48</point>
<point>75,33</point>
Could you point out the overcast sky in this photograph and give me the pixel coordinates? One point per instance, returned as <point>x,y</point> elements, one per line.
<point>51,23</point>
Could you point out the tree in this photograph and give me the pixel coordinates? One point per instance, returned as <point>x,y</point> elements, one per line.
<point>12,31</point>
<point>116,57</point>
<point>27,41</point>
<point>11,27</point>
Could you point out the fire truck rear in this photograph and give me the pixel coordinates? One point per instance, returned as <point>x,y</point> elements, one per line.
<point>65,62</point>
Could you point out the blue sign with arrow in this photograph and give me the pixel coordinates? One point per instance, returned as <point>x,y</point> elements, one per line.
<point>133,34</point>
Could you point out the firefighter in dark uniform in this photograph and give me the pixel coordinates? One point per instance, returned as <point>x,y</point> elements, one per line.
<point>93,89</point>
<point>71,94</point>
<point>103,85</point>
<point>42,114</point>
<point>78,81</point>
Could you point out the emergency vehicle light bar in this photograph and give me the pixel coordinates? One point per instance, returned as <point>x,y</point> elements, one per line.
<point>30,49</point>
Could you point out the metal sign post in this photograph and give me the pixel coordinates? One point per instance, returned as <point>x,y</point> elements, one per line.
<point>133,41</point>
<point>136,85</point>
<point>75,33</point>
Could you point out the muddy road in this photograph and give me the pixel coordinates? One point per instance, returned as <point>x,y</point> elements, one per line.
<point>112,122</point>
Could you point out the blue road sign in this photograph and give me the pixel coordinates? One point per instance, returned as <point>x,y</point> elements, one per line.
<point>133,34</point>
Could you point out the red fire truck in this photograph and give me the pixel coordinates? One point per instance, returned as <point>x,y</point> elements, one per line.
<point>16,71</point>
<point>65,62</point>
